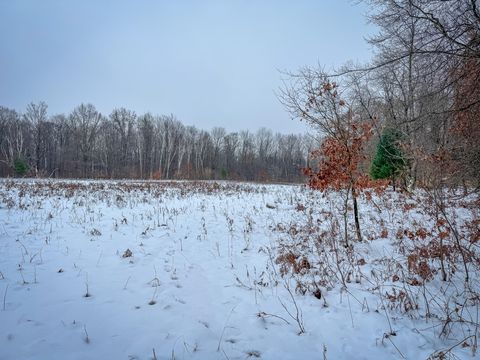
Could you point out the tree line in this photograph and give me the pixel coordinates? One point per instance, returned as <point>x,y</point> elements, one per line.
<point>87,144</point>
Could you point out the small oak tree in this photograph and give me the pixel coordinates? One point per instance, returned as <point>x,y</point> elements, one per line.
<point>338,168</point>
<point>312,97</point>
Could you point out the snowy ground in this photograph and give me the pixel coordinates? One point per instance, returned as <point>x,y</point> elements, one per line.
<point>202,280</point>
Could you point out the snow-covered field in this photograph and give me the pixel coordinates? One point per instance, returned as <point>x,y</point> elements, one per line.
<point>191,270</point>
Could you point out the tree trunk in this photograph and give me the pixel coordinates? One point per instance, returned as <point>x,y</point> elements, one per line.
<point>345,218</point>
<point>355,213</point>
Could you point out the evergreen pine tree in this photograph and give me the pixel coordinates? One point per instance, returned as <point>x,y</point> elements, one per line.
<point>20,166</point>
<point>389,159</point>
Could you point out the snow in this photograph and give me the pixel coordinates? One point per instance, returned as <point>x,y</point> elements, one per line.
<point>202,281</point>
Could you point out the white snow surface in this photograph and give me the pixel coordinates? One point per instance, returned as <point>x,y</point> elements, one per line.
<point>201,283</point>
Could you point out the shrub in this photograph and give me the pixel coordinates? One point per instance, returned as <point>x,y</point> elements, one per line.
<point>389,160</point>
<point>20,166</point>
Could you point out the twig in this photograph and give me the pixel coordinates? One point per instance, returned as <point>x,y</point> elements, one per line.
<point>386,314</point>
<point>223,331</point>
<point>225,354</point>
<point>24,248</point>
<point>350,309</point>
<point>99,258</point>
<point>443,352</point>
<point>87,339</point>
<point>395,346</point>
<point>87,293</point>
<point>263,314</point>
<point>298,315</point>
<point>126,283</point>
<point>5,297</point>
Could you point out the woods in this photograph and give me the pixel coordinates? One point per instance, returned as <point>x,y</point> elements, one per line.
<point>419,94</point>
<point>87,144</point>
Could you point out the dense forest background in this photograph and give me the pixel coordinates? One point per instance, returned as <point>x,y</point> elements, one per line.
<point>87,144</point>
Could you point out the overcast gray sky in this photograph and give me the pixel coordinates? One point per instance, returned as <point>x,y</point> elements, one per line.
<point>211,63</point>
